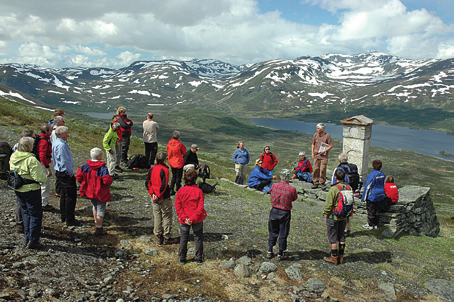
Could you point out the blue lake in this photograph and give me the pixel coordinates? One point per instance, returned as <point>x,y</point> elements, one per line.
<point>428,142</point>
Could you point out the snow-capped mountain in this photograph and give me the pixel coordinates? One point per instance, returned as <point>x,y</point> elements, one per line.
<point>301,85</point>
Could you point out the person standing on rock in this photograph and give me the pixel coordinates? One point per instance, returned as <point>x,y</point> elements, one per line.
<point>109,142</point>
<point>335,226</point>
<point>29,195</point>
<point>45,157</point>
<point>150,138</point>
<point>282,196</point>
<point>321,144</point>
<point>158,188</point>
<point>241,159</point>
<point>189,205</point>
<point>176,151</point>
<point>64,165</point>
<point>94,182</point>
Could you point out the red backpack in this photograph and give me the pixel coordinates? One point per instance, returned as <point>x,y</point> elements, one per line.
<point>345,201</point>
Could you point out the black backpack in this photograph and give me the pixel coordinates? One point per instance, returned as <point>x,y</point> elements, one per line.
<point>15,181</point>
<point>5,154</point>
<point>35,145</point>
<point>351,175</point>
<point>204,172</point>
<point>138,161</point>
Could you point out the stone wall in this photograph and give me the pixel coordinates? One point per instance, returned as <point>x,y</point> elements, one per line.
<point>413,214</point>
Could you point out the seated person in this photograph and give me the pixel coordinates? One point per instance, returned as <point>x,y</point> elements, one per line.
<point>304,170</point>
<point>260,177</point>
<point>191,161</point>
<point>391,192</point>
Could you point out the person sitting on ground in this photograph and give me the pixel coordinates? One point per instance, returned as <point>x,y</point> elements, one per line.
<point>189,205</point>
<point>282,196</point>
<point>269,159</point>
<point>241,159</point>
<point>29,195</point>
<point>109,141</point>
<point>392,194</point>
<point>335,226</point>
<point>374,194</point>
<point>94,182</point>
<point>158,188</point>
<point>304,170</point>
<point>176,151</point>
<point>260,177</point>
<point>191,162</point>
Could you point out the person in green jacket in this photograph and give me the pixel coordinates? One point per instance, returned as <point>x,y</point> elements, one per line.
<point>109,142</point>
<point>335,226</point>
<point>29,195</point>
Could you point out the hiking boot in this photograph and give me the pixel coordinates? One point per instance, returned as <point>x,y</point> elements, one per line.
<point>118,169</point>
<point>331,259</point>
<point>34,245</point>
<point>315,186</point>
<point>48,207</point>
<point>170,241</point>
<point>199,262</point>
<point>340,259</point>
<point>182,261</point>
<point>160,240</point>
<point>323,186</point>
<point>281,257</point>
<point>100,231</point>
<point>269,255</point>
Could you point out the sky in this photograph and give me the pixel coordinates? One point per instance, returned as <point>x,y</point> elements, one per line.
<point>116,33</point>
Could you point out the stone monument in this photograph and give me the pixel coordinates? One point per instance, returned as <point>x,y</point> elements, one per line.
<point>357,132</point>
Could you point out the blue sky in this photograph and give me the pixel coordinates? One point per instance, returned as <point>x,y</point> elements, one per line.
<point>115,33</point>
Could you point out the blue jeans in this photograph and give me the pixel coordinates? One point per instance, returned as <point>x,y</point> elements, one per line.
<point>32,214</point>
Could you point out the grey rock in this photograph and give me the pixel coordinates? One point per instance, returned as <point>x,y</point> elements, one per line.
<point>125,244</point>
<point>294,273</point>
<point>213,253</point>
<point>315,285</point>
<point>388,288</point>
<point>268,267</point>
<point>120,252</point>
<point>271,276</point>
<point>151,252</point>
<point>228,264</point>
<point>441,287</point>
<point>388,232</point>
<point>144,239</point>
<point>242,271</point>
<point>245,260</point>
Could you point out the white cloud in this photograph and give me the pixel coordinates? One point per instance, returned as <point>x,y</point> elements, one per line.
<point>127,57</point>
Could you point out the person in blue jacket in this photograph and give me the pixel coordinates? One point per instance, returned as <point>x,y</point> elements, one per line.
<point>260,177</point>
<point>241,159</point>
<point>374,194</point>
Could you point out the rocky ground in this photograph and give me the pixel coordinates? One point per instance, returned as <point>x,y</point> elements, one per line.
<point>128,264</point>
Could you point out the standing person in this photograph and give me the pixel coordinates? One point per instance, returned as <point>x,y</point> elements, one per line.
<point>374,194</point>
<point>57,112</point>
<point>64,164</point>
<point>176,151</point>
<point>18,218</point>
<point>269,159</point>
<point>335,226</point>
<point>150,138</point>
<point>29,195</point>
<point>321,144</point>
<point>58,121</point>
<point>189,205</point>
<point>45,157</point>
<point>125,125</point>
<point>109,142</point>
<point>118,145</point>
<point>282,196</point>
<point>191,161</point>
<point>94,182</point>
<point>304,170</point>
<point>241,159</point>
<point>157,186</point>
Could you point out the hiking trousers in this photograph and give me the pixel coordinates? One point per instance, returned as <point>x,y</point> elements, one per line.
<point>162,214</point>
<point>279,226</point>
<point>197,229</point>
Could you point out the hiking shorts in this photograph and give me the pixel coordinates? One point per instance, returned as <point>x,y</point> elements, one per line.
<point>335,230</point>
<point>99,207</point>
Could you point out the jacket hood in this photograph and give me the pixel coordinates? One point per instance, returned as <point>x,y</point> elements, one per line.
<point>173,141</point>
<point>19,156</point>
<point>95,165</point>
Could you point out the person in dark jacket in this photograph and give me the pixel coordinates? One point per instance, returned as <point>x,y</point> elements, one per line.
<point>158,188</point>
<point>374,194</point>
<point>125,125</point>
<point>191,161</point>
<point>94,182</point>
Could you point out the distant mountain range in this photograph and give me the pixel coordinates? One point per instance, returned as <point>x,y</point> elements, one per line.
<point>304,86</point>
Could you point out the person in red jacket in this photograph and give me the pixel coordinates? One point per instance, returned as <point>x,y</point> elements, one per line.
<point>189,205</point>
<point>304,170</point>
<point>269,159</point>
<point>126,125</point>
<point>391,192</point>
<point>176,152</point>
<point>44,149</point>
<point>157,186</point>
<point>94,182</point>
